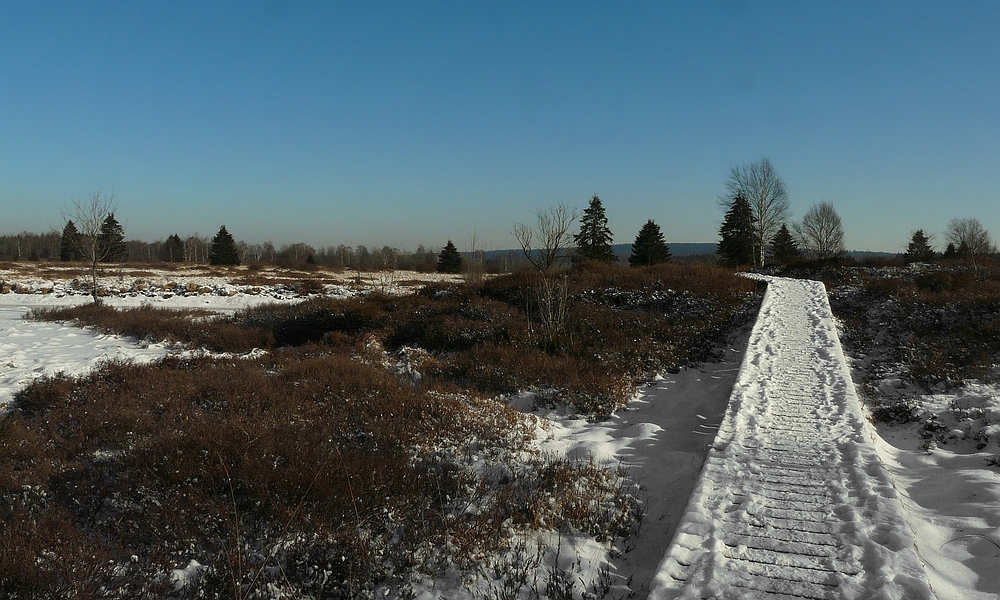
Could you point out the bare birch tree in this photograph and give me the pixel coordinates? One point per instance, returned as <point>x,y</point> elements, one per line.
<point>89,215</point>
<point>971,239</point>
<point>475,265</point>
<point>768,198</point>
<point>821,233</point>
<point>544,244</point>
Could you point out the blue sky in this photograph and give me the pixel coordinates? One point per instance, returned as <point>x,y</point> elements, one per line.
<point>408,123</point>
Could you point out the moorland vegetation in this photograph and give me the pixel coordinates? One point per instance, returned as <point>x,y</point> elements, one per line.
<point>369,445</point>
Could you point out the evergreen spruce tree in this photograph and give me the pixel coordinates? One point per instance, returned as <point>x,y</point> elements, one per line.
<point>594,240</point>
<point>172,249</point>
<point>111,240</point>
<point>950,252</point>
<point>449,261</point>
<point>69,247</point>
<point>919,248</point>
<point>783,246</point>
<point>737,233</point>
<point>649,247</point>
<point>224,251</point>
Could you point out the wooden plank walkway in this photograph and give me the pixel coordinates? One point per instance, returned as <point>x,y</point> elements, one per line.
<point>793,501</point>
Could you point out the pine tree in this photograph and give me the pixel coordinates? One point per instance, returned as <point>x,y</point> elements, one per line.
<point>919,248</point>
<point>69,248</point>
<point>950,252</point>
<point>224,251</point>
<point>737,233</point>
<point>111,240</point>
<point>449,261</point>
<point>594,240</point>
<point>173,249</point>
<point>783,246</point>
<point>649,247</point>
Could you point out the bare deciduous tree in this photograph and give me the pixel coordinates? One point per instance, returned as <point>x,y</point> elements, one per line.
<point>89,215</point>
<point>551,298</point>
<point>821,233</point>
<point>475,265</point>
<point>768,198</point>
<point>971,239</point>
<point>544,244</point>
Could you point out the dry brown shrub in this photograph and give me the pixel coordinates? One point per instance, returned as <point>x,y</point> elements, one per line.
<point>192,327</point>
<point>940,324</point>
<point>158,455</point>
<point>311,460</point>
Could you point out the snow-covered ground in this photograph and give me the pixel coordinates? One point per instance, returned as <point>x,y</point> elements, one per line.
<point>31,284</point>
<point>30,349</point>
<point>796,471</point>
<point>946,469</point>
<point>662,437</point>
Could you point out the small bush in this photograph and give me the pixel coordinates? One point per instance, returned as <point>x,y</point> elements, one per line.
<point>939,322</point>
<point>300,464</point>
<point>900,411</point>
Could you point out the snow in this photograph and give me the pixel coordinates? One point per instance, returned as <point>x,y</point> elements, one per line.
<point>663,437</point>
<point>29,350</point>
<point>31,284</point>
<point>950,488</point>
<point>185,576</point>
<point>793,500</point>
<point>800,493</point>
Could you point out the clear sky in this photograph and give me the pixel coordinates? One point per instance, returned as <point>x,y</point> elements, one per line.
<point>408,123</point>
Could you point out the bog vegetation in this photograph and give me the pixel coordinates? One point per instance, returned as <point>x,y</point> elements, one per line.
<point>930,326</point>
<point>367,445</point>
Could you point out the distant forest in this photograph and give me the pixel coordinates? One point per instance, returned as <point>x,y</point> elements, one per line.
<point>27,246</point>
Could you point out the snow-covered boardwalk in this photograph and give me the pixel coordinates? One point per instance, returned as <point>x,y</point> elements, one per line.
<point>793,501</point>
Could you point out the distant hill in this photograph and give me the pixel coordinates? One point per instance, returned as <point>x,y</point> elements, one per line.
<point>863,254</point>
<point>692,249</point>
<point>675,249</point>
<point>626,250</point>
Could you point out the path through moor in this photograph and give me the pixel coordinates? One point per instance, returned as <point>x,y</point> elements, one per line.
<point>793,501</point>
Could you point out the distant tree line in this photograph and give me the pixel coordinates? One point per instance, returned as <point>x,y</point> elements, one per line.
<point>967,239</point>
<point>755,231</point>
<point>755,228</point>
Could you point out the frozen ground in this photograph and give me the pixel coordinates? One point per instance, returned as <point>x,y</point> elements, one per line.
<point>662,436</point>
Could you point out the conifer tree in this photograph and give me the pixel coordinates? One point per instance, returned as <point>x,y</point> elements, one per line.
<point>919,248</point>
<point>783,246</point>
<point>173,249</point>
<point>649,247</point>
<point>449,261</point>
<point>768,198</point>
<point>69,247</point>
<point>224,251</point>
<point>111,240</point>
<point>737,232</point>
<point>950,252</point>
<point>594,240</point>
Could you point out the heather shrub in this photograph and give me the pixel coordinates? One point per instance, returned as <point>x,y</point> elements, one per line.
<point>612,328</point>
<point>939,323</point>
<point>325,467</point>
<point>302,469</point>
